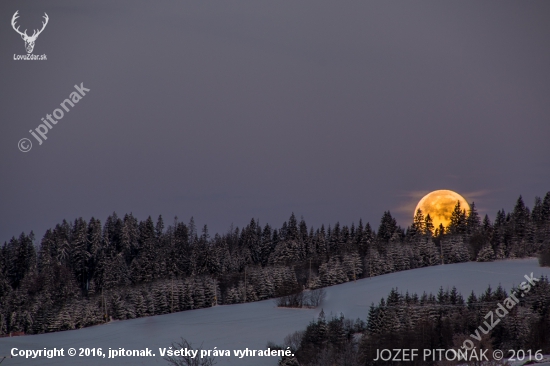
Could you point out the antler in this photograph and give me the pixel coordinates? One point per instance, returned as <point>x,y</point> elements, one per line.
<point>15,16</point>
<point>43,26</point>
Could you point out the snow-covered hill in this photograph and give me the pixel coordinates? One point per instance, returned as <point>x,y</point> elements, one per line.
<point>251,325</point>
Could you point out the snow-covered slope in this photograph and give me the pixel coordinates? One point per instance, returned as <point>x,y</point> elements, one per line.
<point>234,327</point>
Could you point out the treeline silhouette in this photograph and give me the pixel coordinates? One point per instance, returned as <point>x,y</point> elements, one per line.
<point>84,273</point>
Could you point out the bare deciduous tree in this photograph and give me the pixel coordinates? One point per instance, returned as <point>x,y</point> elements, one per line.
<point>188,360</point>
<point>316,297</point>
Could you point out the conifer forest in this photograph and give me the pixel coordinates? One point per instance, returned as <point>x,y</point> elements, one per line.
<point>85,273</point>
<point>426,322</point>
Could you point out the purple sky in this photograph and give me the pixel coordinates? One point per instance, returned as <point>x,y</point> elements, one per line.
<point>333,110</point>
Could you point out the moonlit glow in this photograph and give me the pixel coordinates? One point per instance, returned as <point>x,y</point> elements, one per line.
<point>440,204</point>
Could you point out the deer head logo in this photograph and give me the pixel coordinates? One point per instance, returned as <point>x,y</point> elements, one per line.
<point>29,40</point>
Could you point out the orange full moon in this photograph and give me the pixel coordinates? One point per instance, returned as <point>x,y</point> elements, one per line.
<point>440,205</point>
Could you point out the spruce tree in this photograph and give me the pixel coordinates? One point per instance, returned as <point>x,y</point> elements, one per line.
<point>388,226</point>
<point>486,254</point>
<point>458,224</point>
<point>429,226</point>
<point>79,252</point>
<point>418,226</point>
<point>473,221</point>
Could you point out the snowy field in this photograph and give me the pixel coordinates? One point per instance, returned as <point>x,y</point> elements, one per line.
<point>252,325</point>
